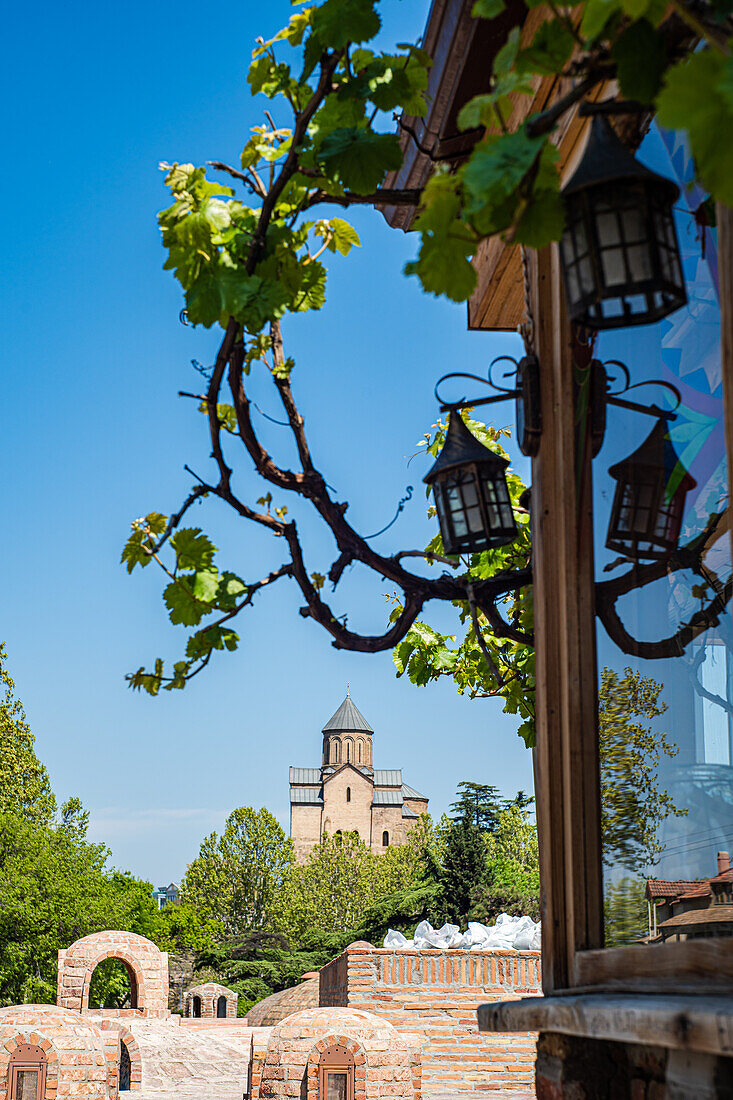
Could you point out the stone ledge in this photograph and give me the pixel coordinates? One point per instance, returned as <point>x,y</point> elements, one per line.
<point>680,1022</point>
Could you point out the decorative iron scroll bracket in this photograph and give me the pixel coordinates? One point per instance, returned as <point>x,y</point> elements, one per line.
<point>503,394</point>
<point>612,396</point>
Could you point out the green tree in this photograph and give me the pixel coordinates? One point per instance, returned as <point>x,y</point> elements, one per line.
<point>477,802</point>
<point>633,804</point>
<point>24,783</point>
<point>236,878</point>
<point>330,891</point>
<point>464,869</point>
<point>512,883</point>
<point>55,888</point>
<point>626,919</point>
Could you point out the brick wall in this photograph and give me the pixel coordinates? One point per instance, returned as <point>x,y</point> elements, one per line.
<point>436,993</point>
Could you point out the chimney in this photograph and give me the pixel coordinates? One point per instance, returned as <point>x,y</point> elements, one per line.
<point>723,862</point>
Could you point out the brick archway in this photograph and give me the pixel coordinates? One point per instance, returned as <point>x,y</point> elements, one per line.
<point>147,966</point>
<point>355,1049</point>
<point>11,1042</point>
<point>113,1034</point>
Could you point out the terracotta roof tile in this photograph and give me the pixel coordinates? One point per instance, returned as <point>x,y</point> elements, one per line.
<point>671,888</point>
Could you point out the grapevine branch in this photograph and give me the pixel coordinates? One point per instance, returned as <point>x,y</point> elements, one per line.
<point>307,482</point>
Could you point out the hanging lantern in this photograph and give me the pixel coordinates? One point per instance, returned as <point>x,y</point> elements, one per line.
<point>619,250</point>
<point>646,518</point>
<point>470,491</point>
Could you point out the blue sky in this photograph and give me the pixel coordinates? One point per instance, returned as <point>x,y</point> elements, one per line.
<point>93,435</point>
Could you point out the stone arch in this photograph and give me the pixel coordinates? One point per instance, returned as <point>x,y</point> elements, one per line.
<point>385,839</point>
<point>146,965</point>
<point>349,743</point>
<point>116,1037</point>
<point>354,1048</point>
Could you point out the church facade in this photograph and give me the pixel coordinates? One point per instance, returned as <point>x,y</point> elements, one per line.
<point>347,793</point>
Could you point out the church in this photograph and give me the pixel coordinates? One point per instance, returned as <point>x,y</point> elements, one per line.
<point>347,794</point>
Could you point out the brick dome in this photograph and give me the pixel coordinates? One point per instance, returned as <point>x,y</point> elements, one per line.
<point>277,1006</point>
<point>377,1060</point>
<point>72,1049</point>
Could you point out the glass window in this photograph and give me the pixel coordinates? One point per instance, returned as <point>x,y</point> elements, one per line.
<point>336,1085</point>
<point>665,634</point>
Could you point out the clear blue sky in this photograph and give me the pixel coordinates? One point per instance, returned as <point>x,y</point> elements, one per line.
<point>94,435</point>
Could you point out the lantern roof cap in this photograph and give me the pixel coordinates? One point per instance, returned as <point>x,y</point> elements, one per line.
<point>658,451</point>
<point>607,160</point>
<point>461,447</point>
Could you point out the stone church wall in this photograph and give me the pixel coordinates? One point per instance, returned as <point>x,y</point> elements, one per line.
<point>389,819</point>
<point>354,815</point>
<point>305,827</point>
<point>437,993</point>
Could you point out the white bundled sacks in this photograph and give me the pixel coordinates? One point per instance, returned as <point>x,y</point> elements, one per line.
<point>507,934</point>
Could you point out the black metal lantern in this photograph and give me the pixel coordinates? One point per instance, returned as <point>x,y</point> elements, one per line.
<point>619,250</point>
<point>646,518</point>
<point>470,491</point>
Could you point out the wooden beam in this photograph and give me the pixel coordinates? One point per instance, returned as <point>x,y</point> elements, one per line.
<point>567,782</point>
<point>676,1022</point>
<point>696,964</point>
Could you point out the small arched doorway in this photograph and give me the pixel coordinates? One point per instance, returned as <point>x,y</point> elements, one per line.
<point>125,1067</point>
<point>221,1007</point>
<point>196,1007</point>
<point>336,1074</point>
<point>27,1073</point>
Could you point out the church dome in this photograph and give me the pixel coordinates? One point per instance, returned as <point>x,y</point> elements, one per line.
<point>347,719</point>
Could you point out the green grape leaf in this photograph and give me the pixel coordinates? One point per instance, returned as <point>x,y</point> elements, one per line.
<point>360,158</point>
<point>230,589</point>
<point>549,50</point>
<point>641,58</point>
<point>184,607</point>
<point>133,552</point>
<point>341,236</point>
<point>338,22</point>
<point>487,9</point>
<point>205,585</point>
<point>597,14</point>
<point>696,98</point>
<point>194,550</point>
<point>443,263</point>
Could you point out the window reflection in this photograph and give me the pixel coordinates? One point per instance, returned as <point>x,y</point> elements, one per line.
<point>665,654</point>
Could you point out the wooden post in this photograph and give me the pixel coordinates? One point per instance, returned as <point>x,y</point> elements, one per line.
<point>724,217</point>
<point>567,780</point>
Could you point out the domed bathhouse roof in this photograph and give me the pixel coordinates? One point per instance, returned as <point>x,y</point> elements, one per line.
<point>347,719</point>
<point>277,1006</point>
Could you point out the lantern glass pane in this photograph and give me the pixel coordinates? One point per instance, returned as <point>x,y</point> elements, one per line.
<point>614,266</point>
<point>665,644</point>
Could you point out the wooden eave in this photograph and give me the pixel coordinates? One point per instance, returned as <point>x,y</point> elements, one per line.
<point>463,49</point>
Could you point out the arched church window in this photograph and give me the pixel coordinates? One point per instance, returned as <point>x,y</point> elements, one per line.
<point>359,750</point>
<point>348,751</point>
<point>27,1073</point>
<point>348,794</point>
<point>336,1074</point>
<point>385,839</point>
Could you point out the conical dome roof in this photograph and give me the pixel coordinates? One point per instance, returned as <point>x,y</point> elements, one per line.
<point>348,718</point>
